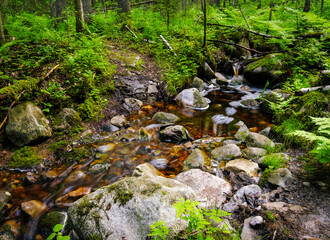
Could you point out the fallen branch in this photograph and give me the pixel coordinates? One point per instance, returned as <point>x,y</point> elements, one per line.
<point>51,70</point>
<point>251,31</point>
<point>237,45</point>
<point>145,2</point>
<point>133,34</point>
<point>168,45</point>
<point>10,107</point>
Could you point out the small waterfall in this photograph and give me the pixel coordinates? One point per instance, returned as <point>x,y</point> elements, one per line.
<point>236,68</point>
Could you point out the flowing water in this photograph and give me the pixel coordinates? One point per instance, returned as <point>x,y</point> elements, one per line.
<point>127,149</point>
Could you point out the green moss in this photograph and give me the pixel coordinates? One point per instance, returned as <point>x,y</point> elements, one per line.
<point>264,177</point>
<point>151,189</point>
<point>24,157</point>
<point>85,206</point>
<point>95,237</point>
<point>51,219</point>
<point>268,62</point>
<point>121,192</point>
<point>69,154</point>
<point>12,91</point>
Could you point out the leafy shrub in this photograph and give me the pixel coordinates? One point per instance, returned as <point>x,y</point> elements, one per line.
<point>199,222</point>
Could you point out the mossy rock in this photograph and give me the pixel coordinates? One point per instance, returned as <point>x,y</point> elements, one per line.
<point>66,120</point>
<point>270,68</point>
<point>13,91</point>
<point>49,220</point>
<point>27,124</point>
<point>164,117</point>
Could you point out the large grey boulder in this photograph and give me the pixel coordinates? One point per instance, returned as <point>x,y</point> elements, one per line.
<point>210,190</point>
<point>253,153</point>
<point>164,117</point>
<point>258,140</point>
<point>66,119</point>
<point>227,152</point>
<point>127,208</point>
<point>248,195</point>
<point>198,83</point>
<point>192,98</point>
<point>175,134</point>
<point>27,124</point>
<point>196,159</point>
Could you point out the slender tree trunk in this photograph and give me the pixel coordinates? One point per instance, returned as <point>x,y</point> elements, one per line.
<point>124,5</point>
<point>205,23</point>
<point>224,3</point>
<point>259,5</point>
<point>60,7</point>
<point>2,32</point>
<point>307,6</point>
<point>80,24</point>
<point>217,3</point>
<point>105,8</point>
<point>87,7</point>
<point>322,4</point>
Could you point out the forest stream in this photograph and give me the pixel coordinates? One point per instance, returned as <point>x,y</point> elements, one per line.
<point>117,154</point>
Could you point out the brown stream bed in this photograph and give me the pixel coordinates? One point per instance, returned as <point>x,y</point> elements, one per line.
<point>129,150</point>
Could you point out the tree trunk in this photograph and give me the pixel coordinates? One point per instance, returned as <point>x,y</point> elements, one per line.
<point>80,24</point>
<point>87,7</point>
<point>205,23</point>
<point>105,8</point>
<point>307,7</point>
<point>322,3</point>
<point>217,3</point>
<point>124,6</point>
<point>2,32</point>
<point>224,3</point>
<point>60,8</point>
<point>259,5</point>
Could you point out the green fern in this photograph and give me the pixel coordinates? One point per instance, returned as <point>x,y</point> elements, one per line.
<point>279,106</point>
<point>321,138</point>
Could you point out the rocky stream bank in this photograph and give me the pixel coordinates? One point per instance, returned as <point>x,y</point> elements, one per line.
<point>211,146</point>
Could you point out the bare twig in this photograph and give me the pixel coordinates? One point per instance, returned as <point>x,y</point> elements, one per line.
<point>10,107</point>
<point>237,45</point>
<point>51,70</point>
<point>133,34</point>
<point>168,45</point>
<point>239,6</point>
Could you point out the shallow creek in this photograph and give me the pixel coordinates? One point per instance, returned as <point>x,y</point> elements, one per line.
<point>127,149</point>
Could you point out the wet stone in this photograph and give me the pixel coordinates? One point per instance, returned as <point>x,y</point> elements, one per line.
<point>106,148</point>
<point>119,121</point>
<point>76,176</point>
<point>5,197</point>
<point>227,152</point>
<point>110,128</point>
<point>196,159</point>
<point>33,207</point>
<point>253,153</point>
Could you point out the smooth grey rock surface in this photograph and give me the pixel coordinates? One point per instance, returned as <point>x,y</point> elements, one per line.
<point>192,98</point>
<point>164,117</point>
<point>258,140</point>
<point>66,119</point>
<point>226,153</point>
<point>175,134</point>
<point>243,165</point>
<point>242,132</point>
<point>127,208</point>
<point>210,190</point>
<point>253,153</point>
<point>27,124</point>
<point>119,121</point>
<point>281,177</point>
<point>196,159</point>
<point>198,84</point>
